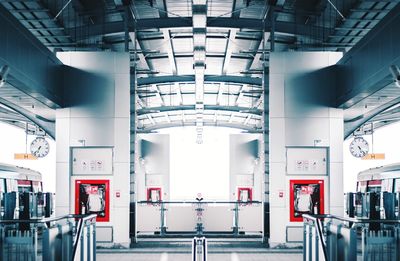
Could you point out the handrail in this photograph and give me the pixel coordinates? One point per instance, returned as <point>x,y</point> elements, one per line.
<point>347,219</point>
<point>80,231</point>
<point>46,220</point>
<point>316,219</point>
<point>318,225</point>
<point>82,220</point>
<point>198,202</point>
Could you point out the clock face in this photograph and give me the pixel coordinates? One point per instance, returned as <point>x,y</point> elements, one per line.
<point>40,147</point>
<point>359,147</point>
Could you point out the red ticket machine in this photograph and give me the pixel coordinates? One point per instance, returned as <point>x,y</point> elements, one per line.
<point>154,194</point>
<point>245,194</point>
<point>93,197</point>
<point>306,197</point>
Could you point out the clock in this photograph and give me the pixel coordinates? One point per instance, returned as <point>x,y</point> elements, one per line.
<point>40,147</point>
<point>359,147</point>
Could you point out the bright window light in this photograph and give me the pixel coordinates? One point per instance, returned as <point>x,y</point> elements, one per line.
<point>199,168</point>
<point>385,141</point>
<point>12,141</point>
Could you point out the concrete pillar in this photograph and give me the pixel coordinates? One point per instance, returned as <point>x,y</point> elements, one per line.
<point>97,89</point>
<point>302,91</point>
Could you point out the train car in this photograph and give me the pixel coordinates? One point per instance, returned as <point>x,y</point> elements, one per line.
<point>380,179</point>
<point>19,179</point>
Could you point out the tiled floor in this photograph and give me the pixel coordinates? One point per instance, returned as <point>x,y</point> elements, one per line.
<point>211,257</point>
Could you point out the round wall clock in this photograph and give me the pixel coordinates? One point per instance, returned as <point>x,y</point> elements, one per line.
<point>359,147</point>
<point>40,147</point>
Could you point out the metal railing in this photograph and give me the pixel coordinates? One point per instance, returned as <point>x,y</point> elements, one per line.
<point>199,249</point>
<point>70,237</point>
<point>334,238</point>
<point>199,206</point>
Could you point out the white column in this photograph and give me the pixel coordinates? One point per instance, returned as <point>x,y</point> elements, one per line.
<point>97,88</point>
<point>302,91</point>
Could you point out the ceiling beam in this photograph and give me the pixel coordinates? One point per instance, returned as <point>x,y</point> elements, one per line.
<point>372,76</point>
<point>167,117</point>
<point>236,109</point>
<point>240,95</point>
<point>170,50</point>
<point>183,117</point>
<point>237,6</point>
<point>139,52</point>
<point>48,126</point>
<point>246,122</point>
<point>258,102</point>
<point>140,102</point>
<point>162,8</point>
<point>248,128</point>
<point>151,119</point>
<point>220,92</point>
<point>186,22</point>
<point>199,23</point>
<point>231,118</point>
<point>350,127</point>
<point>207,78</point>
<point>228,50</point>
<point>158,94</point>
<point>178,92</point>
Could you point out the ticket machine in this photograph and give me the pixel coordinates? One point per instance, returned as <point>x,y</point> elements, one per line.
<point>154,194</point>
<point>245,194</point>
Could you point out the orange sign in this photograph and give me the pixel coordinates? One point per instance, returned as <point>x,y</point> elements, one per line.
<point>24,156</point>
<point>374,156</point>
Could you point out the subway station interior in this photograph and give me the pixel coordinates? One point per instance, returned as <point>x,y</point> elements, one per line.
<point>241,130</point>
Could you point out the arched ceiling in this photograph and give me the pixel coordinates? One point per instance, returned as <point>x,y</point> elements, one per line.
<point>172,42</point>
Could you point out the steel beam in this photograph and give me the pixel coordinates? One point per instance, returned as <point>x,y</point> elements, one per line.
<point>37,77</point>
<point>178,92</point>
<point>158,126</point>
<point>170,50</point>
<point>220,92</point>
<point>48,126</point>
<point>186,22</point>
<point>362,71</point>
<point>240,95</point>
<point>207,78</point>
<point>155,110</point>
<point>350,127</point>
<point>229,50</point>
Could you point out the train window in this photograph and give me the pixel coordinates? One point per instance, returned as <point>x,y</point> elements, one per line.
<point>374,186</point>
<point>2,185</point>
<point>396,185</point>
<point>387,185</point>
<point>24,186</point>
<point>37,186</point>
<point>11,185</point>
<point>362,186</point>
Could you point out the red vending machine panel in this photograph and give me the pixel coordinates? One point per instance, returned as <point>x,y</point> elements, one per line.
<point>306,197</point>
<point>154,194</point>
<point>245,195</point>
<point>93,197</point>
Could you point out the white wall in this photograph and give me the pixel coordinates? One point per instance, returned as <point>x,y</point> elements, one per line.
<point>245,168</point>
<point>152,164</point>
<point>99,114</point>
<point>301,91</point>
